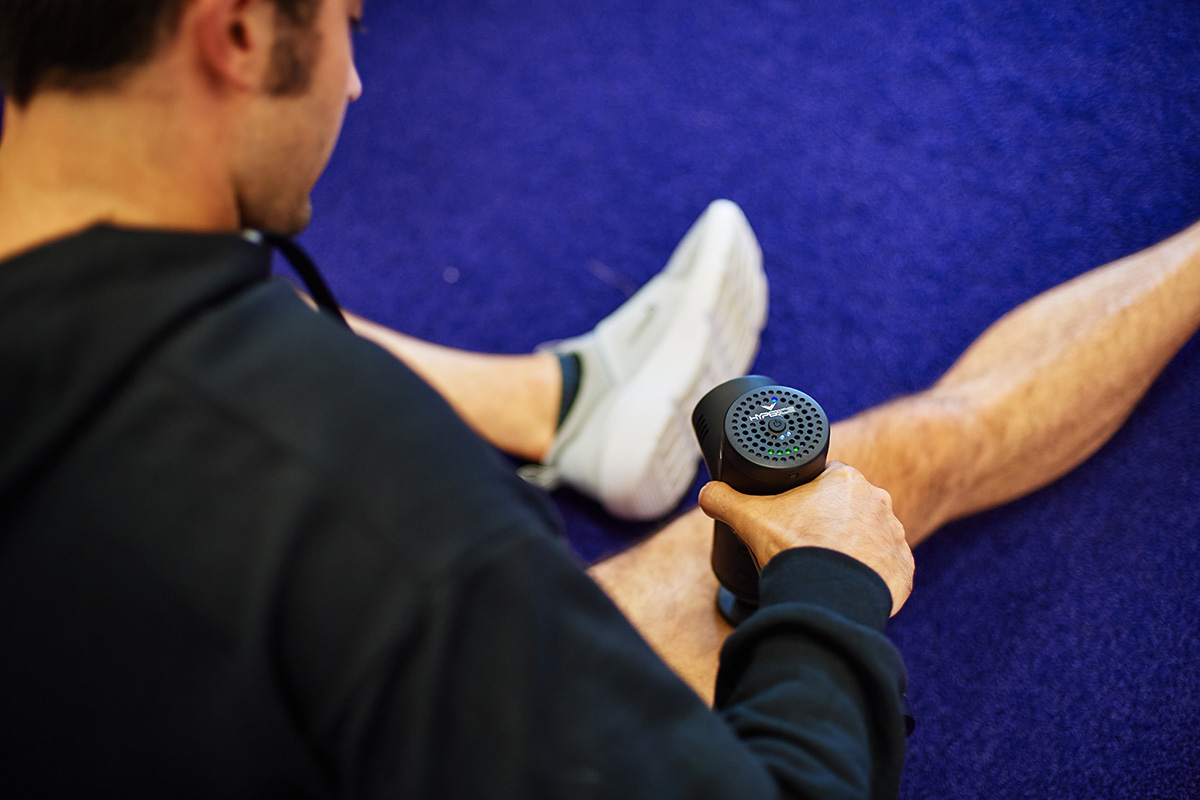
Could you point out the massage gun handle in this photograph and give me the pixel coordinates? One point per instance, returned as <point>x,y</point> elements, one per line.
<point>732,561</point>
<point>734,564</point>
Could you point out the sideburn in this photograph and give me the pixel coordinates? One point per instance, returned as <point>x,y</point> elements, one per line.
<point>293,57</point>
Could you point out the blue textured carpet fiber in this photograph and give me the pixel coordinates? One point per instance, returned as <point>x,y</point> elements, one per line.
<point>913,171</point>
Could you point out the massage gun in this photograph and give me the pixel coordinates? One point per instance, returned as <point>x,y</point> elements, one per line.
<point>760,438</point>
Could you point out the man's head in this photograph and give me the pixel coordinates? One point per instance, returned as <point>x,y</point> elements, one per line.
<point>260,85</point>
<point>90,44</point>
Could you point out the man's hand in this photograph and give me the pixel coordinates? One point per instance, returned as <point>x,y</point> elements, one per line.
<point>839,510</point>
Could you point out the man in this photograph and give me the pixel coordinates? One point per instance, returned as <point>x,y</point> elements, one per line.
<point>226,571</point>
<point>247,553</point>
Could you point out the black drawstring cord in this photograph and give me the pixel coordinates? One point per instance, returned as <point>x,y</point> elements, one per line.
<point>308,273</point>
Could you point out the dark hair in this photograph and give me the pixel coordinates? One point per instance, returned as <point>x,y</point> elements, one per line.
<point>83,44</point>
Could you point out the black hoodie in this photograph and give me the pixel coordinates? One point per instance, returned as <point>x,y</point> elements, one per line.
<point>244,553</point>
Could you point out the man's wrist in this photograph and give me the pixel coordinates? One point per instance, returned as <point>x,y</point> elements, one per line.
<point>822,577</point>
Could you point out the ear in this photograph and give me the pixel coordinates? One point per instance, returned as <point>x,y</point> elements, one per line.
<point>234,39</point>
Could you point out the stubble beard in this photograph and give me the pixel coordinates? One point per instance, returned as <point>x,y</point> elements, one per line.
<point>288,220</point>
<point>293,62</point>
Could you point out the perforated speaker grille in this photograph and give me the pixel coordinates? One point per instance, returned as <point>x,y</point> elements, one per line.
<point>777,426</point>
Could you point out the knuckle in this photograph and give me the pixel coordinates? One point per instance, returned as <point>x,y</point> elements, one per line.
<point>842,471</point>
<point>852,473</point>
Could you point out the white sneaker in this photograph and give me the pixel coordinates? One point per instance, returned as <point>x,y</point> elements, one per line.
<point>627,440</point>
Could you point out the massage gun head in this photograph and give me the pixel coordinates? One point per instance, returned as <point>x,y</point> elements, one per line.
<point>760,437</point>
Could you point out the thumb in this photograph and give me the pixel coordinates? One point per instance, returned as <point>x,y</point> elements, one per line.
<point>722,502</point>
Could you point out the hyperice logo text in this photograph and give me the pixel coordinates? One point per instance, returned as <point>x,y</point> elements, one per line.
<point>778,413</point>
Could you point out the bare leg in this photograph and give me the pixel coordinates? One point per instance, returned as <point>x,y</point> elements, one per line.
<point>510,400</point>
<point>1035,396</point>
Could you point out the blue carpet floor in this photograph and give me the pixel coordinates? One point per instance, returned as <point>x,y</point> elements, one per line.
<point>913,171</point>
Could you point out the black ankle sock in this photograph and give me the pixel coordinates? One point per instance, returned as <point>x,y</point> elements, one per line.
<point>572,373</point>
